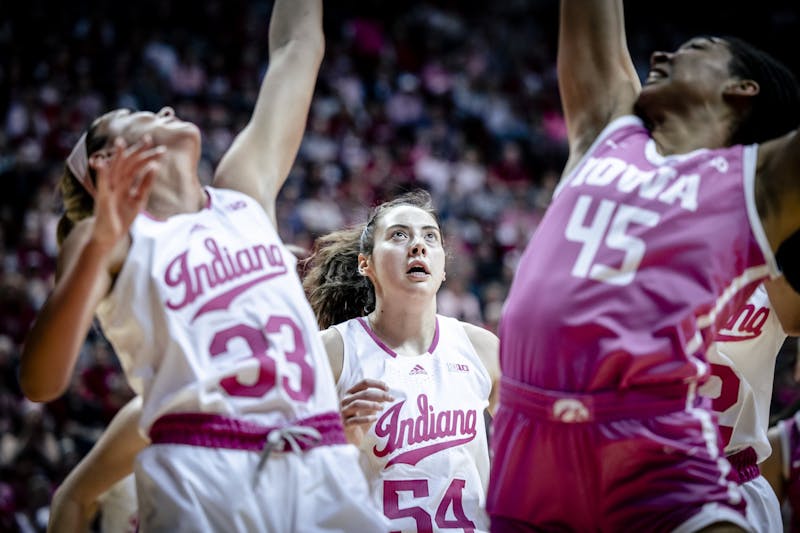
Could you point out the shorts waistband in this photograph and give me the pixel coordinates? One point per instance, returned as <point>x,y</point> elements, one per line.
<point>745,465</point>
<point>217,431</point>
<point>566,407</point>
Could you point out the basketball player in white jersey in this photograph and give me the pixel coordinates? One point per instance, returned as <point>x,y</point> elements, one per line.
<point>742,372</point>
<point>413,384</point>
<point>201,302</point>
<point>103,482</point>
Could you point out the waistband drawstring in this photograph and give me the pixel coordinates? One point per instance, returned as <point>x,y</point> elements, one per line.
<point>289,435</point>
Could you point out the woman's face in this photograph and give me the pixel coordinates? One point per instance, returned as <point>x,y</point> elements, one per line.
<point>164,127</point>
<point>408,254</point>
<point>698,71</point>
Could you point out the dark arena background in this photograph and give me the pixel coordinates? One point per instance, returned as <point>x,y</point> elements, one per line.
<point>459,97</point>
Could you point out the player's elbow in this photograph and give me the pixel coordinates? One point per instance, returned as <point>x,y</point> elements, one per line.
<point>38,388</point>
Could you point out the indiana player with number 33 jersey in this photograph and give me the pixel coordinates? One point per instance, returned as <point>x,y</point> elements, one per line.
<point>202,303</point>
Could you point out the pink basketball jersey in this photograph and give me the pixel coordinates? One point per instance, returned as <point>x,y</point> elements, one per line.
<point>636,264</point>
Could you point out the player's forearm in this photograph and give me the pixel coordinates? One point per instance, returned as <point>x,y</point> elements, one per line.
<point>68,514</point>
<point>296,21</point>
<point>52,345</point>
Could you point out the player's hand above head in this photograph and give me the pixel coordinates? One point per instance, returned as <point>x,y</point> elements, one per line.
<point>124,178</point>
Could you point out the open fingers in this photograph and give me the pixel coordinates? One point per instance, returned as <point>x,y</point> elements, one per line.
<point>141,191</point>
<point>369,383</point>
<point>127,165</point>
<point>360,406</point>
<point>359,420</point>
<point>371,395</point>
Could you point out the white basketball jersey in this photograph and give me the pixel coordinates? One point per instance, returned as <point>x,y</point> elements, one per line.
<point>208,315</point>
<point>426,457</point>
<point>742,372</point>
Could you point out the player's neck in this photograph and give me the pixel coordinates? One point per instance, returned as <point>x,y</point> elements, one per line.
<point>684,133</point>
<point>406,330</point>
<point>177,197</point>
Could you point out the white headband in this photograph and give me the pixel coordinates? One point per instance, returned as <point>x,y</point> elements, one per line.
<point>78,163</point>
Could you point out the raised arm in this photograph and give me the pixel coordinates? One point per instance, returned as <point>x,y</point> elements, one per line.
<point>786,303</point>
<point>596,77</point>
<point>94,250</point>
<point>261,156</point>
<point>110,460</point>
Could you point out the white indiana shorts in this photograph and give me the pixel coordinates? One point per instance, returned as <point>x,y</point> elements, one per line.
<point>185,488</point>
<point>763,509</point>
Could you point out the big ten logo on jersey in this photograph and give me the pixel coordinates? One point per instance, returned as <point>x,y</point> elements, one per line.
<point>459,368</point>
<point>747,324</point>
<point>595,224</point>
<point>215,276</point>
<point>236,205</point>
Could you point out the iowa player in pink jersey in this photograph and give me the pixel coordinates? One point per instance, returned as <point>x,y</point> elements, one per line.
<point>667,217</point>
<point>413,384</point>
<point>742,365</point>
<point>201,302</point>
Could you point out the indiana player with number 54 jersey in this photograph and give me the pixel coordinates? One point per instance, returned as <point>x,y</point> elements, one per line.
<point>413,384</point>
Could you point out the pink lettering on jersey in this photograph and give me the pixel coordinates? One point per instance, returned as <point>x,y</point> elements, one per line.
<point>224,267</point>
<point>745,325</point>
<point>446,429</point>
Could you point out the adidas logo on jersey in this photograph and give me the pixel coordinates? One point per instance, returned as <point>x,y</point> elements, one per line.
<point>417,370</point>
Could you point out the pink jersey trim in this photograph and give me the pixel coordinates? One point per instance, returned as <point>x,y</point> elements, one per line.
<point>564,407</point>
<point>217,431</point>
<point>382,345</point>
<point>745,465</point>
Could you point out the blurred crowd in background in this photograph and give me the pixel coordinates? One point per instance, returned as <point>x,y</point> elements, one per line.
<point>458,97</point>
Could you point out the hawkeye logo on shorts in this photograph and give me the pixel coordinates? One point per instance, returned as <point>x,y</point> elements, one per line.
<point>570,410</point>
<point>416,438</point>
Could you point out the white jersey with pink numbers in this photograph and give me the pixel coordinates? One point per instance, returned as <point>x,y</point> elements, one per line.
<point>742,372</point>
<point>637,263</point>
<point>208,315</point>
<point>426,457</point>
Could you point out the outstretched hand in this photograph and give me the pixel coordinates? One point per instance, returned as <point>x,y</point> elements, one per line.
<point>360,406</point>
<point>124,180</point>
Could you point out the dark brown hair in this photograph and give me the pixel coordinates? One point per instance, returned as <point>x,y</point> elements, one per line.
<point>334,286</point>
